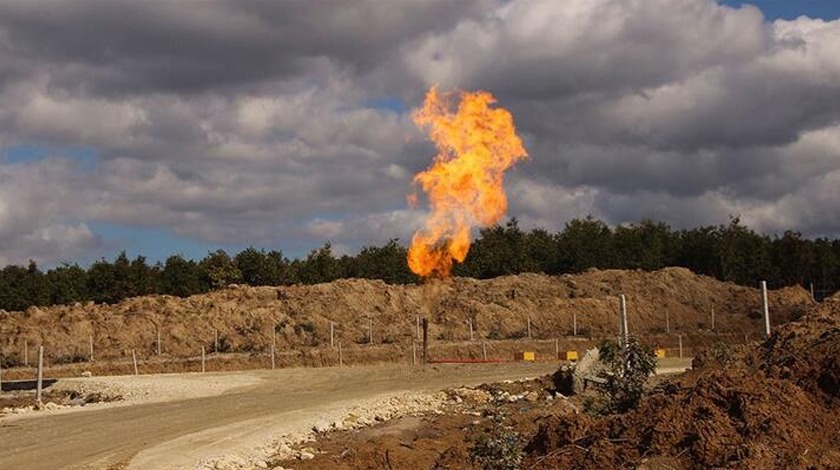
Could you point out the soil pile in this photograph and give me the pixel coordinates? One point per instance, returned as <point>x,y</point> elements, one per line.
<point>771,405</point>
<point>248,319</point>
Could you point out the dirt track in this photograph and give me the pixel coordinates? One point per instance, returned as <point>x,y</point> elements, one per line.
<point>181,432</point>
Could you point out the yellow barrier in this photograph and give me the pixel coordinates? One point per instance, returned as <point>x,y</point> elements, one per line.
<point>571,355</point>
<point>660,353</point>
<point>525,356</point>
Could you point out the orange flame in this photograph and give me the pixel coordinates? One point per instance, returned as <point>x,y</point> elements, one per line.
<point>476,144</point>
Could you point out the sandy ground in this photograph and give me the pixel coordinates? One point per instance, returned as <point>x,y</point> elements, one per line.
<point>228,420</point>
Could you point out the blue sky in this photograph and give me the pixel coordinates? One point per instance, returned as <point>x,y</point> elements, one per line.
<point>790,9</point>
<point>258,130</point>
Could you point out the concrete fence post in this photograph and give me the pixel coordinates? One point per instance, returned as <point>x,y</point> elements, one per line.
<point>40,384</point>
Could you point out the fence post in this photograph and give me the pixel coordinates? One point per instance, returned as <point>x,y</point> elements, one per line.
<point>40,383</point>
<point>425,341</point>
<point>681,351</point>
<point>413,353</point>
<point>158,341</point>
<point>556,348</point>
<point>370,331</point>
<point>202,360</point>
<point>484,349</point>
<point>90,338</point>
<point>332,335</point>
<point>471,329</point>
<point>766,309</point>
<point>134,361</point>
<point>216,343</point>
<point>574,323</point>
<point>26,353</point>
<point>340,356</point>
<point>272,357</point>
<point>667,322</point>
<point>625,335</point>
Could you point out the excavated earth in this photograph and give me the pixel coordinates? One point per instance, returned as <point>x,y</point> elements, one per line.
<point>770,404</point>
<point>246,320</point>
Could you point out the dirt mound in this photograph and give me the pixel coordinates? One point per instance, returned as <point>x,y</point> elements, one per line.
<point>772,406</point>
<point>807,353</point>
<point>249,319</point>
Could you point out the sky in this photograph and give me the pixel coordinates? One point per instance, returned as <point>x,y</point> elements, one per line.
<point>168,126</point>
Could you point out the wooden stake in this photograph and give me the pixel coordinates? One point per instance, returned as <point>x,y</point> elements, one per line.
<point>556,348</point>
<point>40,383</point>
<point>414,353</point>
<point>340,356</point>
<point>574,323</point>
<point>158,341</point>
<point>625,335</point>
<point>681,351</point>
<point>332,335</point>
<point>216,343</point>
<point>766,309</point>
<point>202,360</point>
<point>134,361</point>
<point>272,357</point>
<point>417,332</point>
<point>90,338</point>
<point>529,327</point>
<point>484,349</point>
<point>812,292</point>
<point>425,341</point>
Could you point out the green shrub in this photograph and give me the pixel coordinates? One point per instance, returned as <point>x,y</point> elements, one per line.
<point>627,373</point>
<point>499,449</point>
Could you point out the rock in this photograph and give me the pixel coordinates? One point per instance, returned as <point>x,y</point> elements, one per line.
<point>305,455</point>
<point>532,396</point>
<point>588,366</point>
<point>87,373</point>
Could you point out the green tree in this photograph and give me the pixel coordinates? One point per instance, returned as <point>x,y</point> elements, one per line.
<point>102,282</point>
<point>627,372</point>
<point>180,277</point>
<point>320,266</point>
<point>387,262</point>
<point>14,295</point>
<point>218,270</point>
<point>68,284</point>
<point>583,244</point>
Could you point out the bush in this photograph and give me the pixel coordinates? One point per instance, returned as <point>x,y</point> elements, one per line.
<point>627,373</point>
<point>499,449</point>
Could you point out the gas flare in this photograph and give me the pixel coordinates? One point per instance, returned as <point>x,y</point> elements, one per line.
<point>476,144</point>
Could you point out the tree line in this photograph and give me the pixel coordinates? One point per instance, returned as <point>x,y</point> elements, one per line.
<point>729,252</point>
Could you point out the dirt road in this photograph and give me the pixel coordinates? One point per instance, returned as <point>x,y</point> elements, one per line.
<point>179,433</point>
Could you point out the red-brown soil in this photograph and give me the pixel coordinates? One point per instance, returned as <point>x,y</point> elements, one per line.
<point>771,404</point>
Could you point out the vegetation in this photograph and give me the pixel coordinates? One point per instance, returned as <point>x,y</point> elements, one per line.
<point>728,252</point>
<point>627,372</point>
<point>501,448</point>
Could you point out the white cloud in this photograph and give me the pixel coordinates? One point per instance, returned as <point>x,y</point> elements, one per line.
<point>255,130</point>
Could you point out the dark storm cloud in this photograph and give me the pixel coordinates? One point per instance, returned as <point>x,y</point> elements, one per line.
<point>111,47</point>
<point>264,122</point>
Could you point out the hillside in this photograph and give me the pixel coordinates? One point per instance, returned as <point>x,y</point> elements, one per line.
<point>245,317</point>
